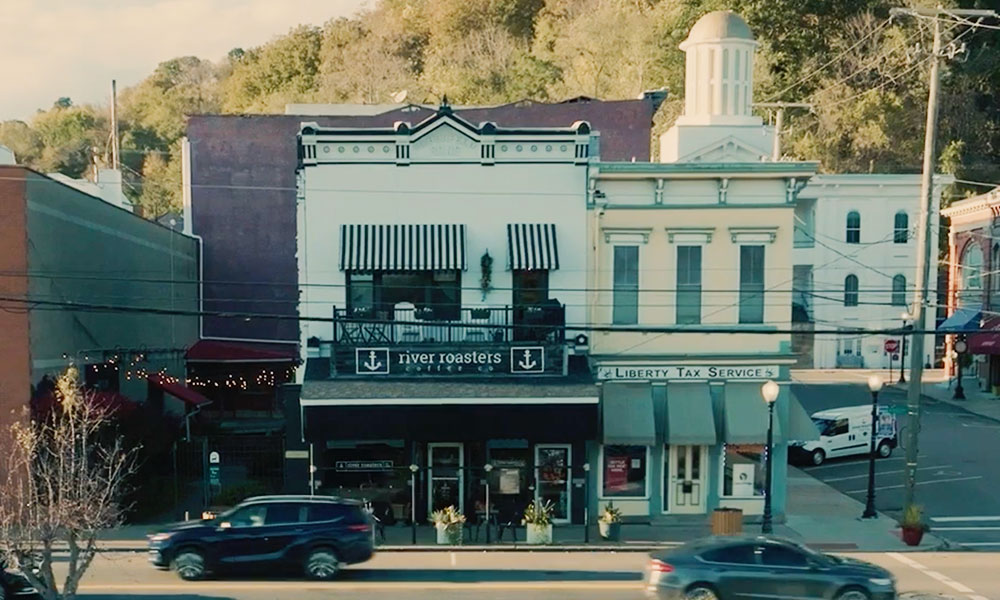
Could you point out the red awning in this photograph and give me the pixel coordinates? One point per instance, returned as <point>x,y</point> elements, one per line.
<point>989,342</point>
<point>179,391</point>
<point>243,352</point>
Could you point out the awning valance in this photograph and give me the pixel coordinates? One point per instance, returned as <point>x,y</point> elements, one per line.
<point>532,246</point>
<point>801,427</point>
<point>964,319</point>
<point>690,419</point>
<point>402,248</point>
<point>989,341</point>
<point>249,352</point>
<point>178,390</point>
<point>746,415</point>
<point>627,414</point>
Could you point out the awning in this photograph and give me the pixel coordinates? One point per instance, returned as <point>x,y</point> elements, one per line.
<point>532,247</point>
<point>988,342</point>
<point>745,420</point>
<point>178,390</point>
<point>690,418</point>
<point>215,351</point>
<point>801,427</point>
<point>402,247</point>
<point>964,319</point>
<point>627,414</point>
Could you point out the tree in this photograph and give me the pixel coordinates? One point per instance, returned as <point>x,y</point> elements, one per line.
<point>23,141</point>
<point>66,473</point>
<point>161,184</point>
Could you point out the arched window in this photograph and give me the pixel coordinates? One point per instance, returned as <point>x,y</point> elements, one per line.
<point>901,227</point>
<point>854,227</point>
<point>899,290</point>
<point>970,271</point>
<point>851,290</point>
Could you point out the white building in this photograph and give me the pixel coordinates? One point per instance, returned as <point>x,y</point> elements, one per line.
<point>854,262</point>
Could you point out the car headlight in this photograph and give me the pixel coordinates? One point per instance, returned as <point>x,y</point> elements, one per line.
<point>883,581</point>
<point>160,537</point>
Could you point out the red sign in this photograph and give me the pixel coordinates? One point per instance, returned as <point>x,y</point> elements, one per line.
<point>615,473</point>
<point>891,346</point>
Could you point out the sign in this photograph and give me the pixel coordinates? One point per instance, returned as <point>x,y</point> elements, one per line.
<point>215,476</point>
<point>615,473</point>
<point>515,360</point>
<point>364,465</point>
<point>689,372</point>
<point>510,481</point>
<point>213,458</point>
<point>743,475</point>
<point>891,346</point>
<point>296,454</point>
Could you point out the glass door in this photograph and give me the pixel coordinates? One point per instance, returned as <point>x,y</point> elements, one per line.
<point>684,479</point>
<point>552,462</point>
<point>444,479</point>
<point>530,291</point>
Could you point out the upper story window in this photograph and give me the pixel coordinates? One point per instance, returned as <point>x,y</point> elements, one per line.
<point>899,290</point>
<point>688,285</point>
<point>995,266</point>
<point>900,228</point>
<point>970,271</point>
<point>432,295</point>
<point>625,300</point>
<point>851,290</point>
<point>751,284</point>
<point>853,227</point>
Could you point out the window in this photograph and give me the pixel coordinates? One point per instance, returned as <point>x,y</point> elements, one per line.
<point>994,266</point>
<point>626,286</point>
<point>971,275</point>
<point>281,514</point>
<point>248,516</point>
<point>851,290</point>
<point>776,555</point>
<point>899,290</point>
<point>743,470</point>
<point>742,554</point>
<point>838,427</point>
<point>688,285</point>
<point>901,228</point>
<point>854,227</point>
<point>325,512</point>
<point>624,472</point>
<point>751,284</point>
<point>435,294</point>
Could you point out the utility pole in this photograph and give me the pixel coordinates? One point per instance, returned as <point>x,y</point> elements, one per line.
<point>924,240</point>
<point>779,121</point>
<point>114,127</point>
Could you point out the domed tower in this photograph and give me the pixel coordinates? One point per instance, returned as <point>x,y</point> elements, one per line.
<point>717,124</point>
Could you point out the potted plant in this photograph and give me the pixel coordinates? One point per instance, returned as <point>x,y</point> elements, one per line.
<point>913,525</point>
<point>610,523</point>
<point>538,522</point>
<point>448,522</point>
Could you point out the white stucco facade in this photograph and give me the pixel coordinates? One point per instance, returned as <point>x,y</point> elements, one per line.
<point>880,251</point>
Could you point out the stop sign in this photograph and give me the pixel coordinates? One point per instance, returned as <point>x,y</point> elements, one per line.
<point>891,345</point>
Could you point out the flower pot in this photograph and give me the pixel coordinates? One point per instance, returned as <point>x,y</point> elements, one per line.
<point>449,534</point>
<point>610,531</point>
<point>912,535</point>
<point>538,534</point>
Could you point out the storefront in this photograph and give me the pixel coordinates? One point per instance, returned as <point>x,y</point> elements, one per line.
<point>686,439</point>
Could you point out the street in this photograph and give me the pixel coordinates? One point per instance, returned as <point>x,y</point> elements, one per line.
<point>503,575</point>
<point>956,465</point>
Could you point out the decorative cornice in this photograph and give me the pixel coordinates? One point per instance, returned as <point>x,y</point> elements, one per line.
<point>699,235</point>
<point>634,234</point>
<point>743,235</point>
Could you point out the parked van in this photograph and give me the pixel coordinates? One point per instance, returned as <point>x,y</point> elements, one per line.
<point>846,432</point>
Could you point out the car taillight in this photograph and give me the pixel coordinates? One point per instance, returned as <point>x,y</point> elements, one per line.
<point>660,567</point>
<point>358,527</point>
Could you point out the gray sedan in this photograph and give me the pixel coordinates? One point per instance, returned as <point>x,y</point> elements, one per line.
<point>744,568</point>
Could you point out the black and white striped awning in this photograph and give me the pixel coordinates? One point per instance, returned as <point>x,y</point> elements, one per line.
<point>402,247</point>
<point>532,246</point>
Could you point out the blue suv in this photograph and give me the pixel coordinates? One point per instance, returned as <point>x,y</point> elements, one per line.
<point>316,535</point>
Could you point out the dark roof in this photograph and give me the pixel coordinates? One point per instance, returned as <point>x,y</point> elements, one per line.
<point>471,388</point>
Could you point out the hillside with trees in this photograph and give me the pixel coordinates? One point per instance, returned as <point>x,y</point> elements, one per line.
<point>864,75</point>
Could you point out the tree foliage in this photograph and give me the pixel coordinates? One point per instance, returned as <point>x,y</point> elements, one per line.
<point>864,75</point>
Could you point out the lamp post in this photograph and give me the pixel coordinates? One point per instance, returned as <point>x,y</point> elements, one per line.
<point>906,316</point>
<point>770,392</point>
<point>874,385</point>
<point>413,502</point>
<point>960,348</point>
<point>586,503</point>
<point>489,469</point>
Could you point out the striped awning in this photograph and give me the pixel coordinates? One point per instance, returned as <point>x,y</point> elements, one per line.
<point>402,247</point>
<point>532,246</point>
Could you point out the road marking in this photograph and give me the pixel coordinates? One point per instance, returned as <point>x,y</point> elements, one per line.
<point>928,482</point>
<point>454,559</point>
<point>983,544</point>
<point>863,475</point>
<point>963,528</point>
<point>948,581</point>
<point>959,519</point>
<point>855,463</point>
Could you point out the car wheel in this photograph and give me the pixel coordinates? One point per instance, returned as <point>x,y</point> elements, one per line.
<point>700,592</point>
<point>818,457</point>
<point>322,565</point>
<point>884,449</point>
<point>190,565</point>
<point>853,594</point>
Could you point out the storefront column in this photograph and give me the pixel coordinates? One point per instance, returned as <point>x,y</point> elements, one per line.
<point>296,449</point>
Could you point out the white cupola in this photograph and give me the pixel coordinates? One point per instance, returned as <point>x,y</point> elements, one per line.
<point>718,93</point>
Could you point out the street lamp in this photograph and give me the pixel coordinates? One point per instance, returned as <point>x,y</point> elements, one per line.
<point>770,392</point>
<point>906,316</point>
<point>874,385</point>
<point>960,348</point>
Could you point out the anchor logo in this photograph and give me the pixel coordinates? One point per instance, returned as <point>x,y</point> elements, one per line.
<point>526,363</point>
<point>527,359</point>
<point>372,361</point>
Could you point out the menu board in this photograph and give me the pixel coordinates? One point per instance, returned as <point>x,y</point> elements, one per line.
<point>510,481</point>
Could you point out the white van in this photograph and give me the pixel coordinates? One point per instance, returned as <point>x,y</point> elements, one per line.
<point>846,432</point>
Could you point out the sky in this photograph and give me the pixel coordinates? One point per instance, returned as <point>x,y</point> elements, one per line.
<point>55,48</point>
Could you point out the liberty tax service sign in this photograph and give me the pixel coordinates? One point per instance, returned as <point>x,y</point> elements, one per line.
<point>687,372</point>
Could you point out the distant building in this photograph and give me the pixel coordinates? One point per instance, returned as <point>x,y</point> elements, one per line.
<point>107,185</point>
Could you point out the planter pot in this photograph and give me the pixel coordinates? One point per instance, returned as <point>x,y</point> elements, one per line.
<point>610,531</point>
<point>449,534</point>
<point>912,536</point>
<point>538,534</point>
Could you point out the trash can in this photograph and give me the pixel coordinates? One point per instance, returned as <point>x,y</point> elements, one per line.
<point>727,521</point>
